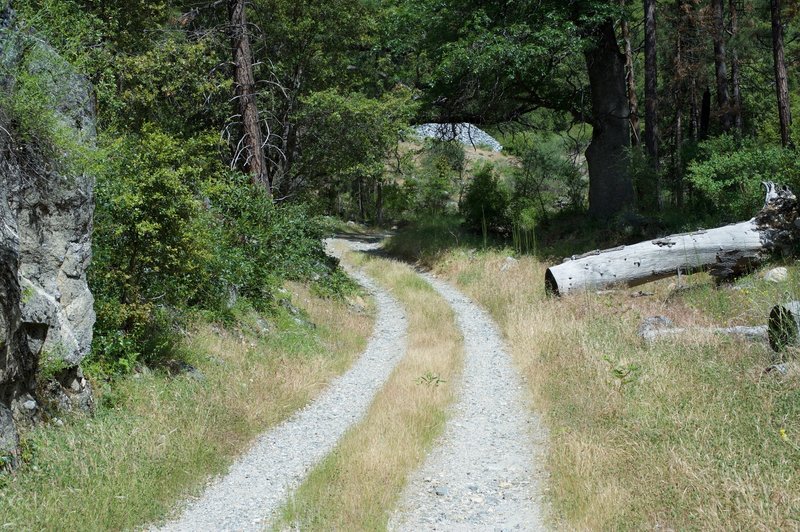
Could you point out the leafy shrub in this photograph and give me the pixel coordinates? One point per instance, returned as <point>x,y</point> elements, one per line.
<point>259,243</point>
<point>151,241</point>
<point>728,174</point>
<point>485,203</point>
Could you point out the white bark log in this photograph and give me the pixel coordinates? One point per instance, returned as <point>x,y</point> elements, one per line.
<point>755,334</point>
<point>726,251</point>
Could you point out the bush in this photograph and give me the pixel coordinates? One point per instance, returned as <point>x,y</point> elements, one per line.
<point>485,203</point>
<point>259,244</point>
<point>728,174</point>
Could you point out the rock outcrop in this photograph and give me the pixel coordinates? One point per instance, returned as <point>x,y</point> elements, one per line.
<point>46,209</point>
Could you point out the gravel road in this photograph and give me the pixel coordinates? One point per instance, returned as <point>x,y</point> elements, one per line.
<point>260,481</point>
<point>484,472</point>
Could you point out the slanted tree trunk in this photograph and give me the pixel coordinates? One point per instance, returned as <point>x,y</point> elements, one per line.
<point>610,185</point>
<point>249,153</point>
<point>725,251</point>
<point>781,79</point>
<point>720,63</point>
<point>630,81</point>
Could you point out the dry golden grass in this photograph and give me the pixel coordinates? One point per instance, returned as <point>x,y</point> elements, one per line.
<point>682,434</point>
<point>156,439</point>
<point>357,486</point>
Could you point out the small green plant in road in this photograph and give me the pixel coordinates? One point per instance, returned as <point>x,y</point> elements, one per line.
<point>431,379</point>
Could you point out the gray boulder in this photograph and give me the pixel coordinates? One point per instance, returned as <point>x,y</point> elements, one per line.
<point>46,209</point>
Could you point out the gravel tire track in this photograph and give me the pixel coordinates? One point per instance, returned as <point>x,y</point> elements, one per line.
<point>485,471</point>
<point>259,482</point>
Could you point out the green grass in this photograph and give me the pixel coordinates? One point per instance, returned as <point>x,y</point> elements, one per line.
<point>155,439</point>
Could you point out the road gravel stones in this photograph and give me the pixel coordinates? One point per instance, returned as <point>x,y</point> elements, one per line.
<point>485,472</point>
<point>260,481</point>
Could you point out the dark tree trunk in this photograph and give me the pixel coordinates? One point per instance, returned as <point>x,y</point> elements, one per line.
<point>736,75</point>
<point>630,81</point>
<point>720,63</point>
<point>705,115</point>
<point>379,203</point>
<point>781,79</point>
<point>694,116</point>
<point>678,158</point>
<point>651,91</point>
<point>250,152</point>
<point>679,92</point>
<point>610,186</point>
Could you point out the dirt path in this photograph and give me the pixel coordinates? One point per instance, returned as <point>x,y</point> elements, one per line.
<point>483,473</point>
<point>260,481</point>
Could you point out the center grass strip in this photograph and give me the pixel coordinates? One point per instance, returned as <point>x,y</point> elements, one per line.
<point>357,486</point>
<point>155,439</point>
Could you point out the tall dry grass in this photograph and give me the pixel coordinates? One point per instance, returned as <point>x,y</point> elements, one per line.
<point>357,486</point>
<point>156,439</point>
<point>682,434</point>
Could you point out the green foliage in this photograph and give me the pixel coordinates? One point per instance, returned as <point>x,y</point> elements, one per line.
<point>151,241</point>
<point>728,174</point>
<point>644,179</point>
<point>176,85</point>
<point>260,244</point>
<point>350,133</point>
<point>38,83</point>
<point>149,236</point>
<point>485,203</point>
<point>544,179</point>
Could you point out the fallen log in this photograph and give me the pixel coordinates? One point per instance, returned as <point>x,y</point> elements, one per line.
<point>725,252</point>
<point>658,327</point>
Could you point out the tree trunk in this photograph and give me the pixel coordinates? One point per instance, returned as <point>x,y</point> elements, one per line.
<point>680,97</point>
<point>720,63</point>
<point>650,81</point>
<point>705,115</point>
<point>651,92</point>
<point>725,251</point>
<point>694,113</point>
<point>379,202</point>
<point>678,157</point>
<point>630,81</point>
<point>610,185</point>
<point>251,143</point>
<point>736,75</point>
<point>651,333</point>
<point>781,79</point>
